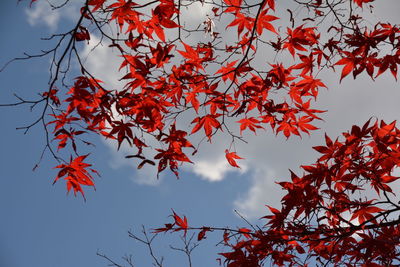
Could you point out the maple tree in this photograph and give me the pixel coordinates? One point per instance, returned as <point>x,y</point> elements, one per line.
<point>217,73</point>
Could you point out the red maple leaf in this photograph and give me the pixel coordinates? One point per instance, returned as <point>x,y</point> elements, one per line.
<point>263,22</point>
<point>76,174</point>
<point>181,223</point>
<point>361,2</point>
<point>231,157</point>
<point>349,62</point>
<point>207,122</point>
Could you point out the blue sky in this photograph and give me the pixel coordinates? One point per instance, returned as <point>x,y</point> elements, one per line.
<point>41,226</point>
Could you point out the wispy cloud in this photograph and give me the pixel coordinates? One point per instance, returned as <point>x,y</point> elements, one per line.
<point>214,170</point>
<point>43,14</point>
<point>103,62</point>
<point>263,190</point>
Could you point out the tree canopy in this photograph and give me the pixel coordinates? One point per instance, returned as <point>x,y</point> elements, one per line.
<point>249,67</point>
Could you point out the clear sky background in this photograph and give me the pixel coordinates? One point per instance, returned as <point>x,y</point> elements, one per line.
<point>41,226</point>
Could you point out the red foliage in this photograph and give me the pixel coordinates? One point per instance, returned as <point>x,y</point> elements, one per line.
<point>76,174</point>
<point>212,78</point>
<point>326,211</point>
<point>232,157</point>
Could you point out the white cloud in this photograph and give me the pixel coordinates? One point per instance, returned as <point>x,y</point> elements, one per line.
<point>102,62</point>
<point>197,12</point>
<point>263,191</point>
<point>147,175</point>
<point>215,170</point>
<point>42,13</point>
